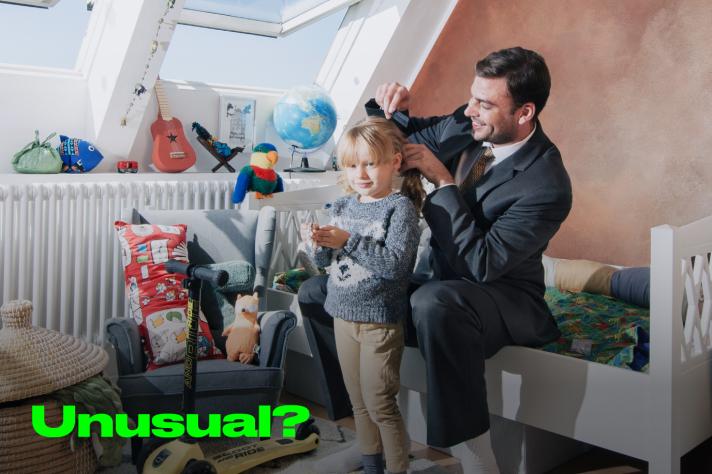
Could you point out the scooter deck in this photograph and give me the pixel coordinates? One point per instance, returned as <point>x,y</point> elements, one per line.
<point>242,458</point>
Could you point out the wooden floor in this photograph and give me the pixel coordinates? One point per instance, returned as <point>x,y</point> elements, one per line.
<point>595,461</point>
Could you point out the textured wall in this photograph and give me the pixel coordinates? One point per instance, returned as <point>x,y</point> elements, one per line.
<point>630,108</point>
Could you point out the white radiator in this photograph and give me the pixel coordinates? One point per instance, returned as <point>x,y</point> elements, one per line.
<point>59,248</point>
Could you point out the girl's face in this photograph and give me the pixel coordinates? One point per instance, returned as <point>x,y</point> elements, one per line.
<point>370,180</point>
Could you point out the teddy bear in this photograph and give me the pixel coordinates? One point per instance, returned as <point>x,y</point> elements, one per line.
<point>243,335</point>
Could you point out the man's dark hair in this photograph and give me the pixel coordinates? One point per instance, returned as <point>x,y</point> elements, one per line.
<point>527,76</point>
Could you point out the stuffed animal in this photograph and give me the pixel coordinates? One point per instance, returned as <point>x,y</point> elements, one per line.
<point>78,156</point>
<point>243,335</point>
<point>259,175</point>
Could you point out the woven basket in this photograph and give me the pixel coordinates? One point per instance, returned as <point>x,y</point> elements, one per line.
<point>24,451</point>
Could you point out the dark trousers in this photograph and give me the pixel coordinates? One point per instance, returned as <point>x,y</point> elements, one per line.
<point>456,325</point>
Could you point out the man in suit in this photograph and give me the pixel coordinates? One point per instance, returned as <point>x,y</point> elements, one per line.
<point>501,193</point>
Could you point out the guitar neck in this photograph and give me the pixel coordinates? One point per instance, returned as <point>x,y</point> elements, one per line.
<point>162,101</point>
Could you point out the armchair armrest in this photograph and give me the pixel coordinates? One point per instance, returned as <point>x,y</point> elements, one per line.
<point>123,335</point>
<point>275,327</point>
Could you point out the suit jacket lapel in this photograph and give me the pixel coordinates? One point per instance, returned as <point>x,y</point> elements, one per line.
<point>519,161</point>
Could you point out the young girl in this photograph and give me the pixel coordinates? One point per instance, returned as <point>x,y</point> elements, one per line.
<point>371,243</point>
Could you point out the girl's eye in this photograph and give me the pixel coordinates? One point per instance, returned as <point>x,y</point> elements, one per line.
<point>371,164</point>
<point>352,166</point>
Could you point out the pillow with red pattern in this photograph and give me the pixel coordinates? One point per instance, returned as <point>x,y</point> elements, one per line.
<point>157,300</point>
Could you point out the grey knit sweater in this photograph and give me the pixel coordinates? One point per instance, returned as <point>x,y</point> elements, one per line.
<point>369,277</point>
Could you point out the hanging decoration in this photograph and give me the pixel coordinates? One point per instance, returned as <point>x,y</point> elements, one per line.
<point>140,88</point>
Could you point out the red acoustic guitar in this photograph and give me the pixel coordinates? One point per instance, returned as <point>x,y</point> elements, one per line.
<point>171,151</point>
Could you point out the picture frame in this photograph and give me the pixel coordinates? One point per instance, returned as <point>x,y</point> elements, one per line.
<point>236,121</point>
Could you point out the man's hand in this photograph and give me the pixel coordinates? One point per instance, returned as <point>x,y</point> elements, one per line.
<point>392,96</point>
<point>331,237</point>
<point>421,158</point>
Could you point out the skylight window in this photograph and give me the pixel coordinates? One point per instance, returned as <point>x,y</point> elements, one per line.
<point>222,57</point>
<point>260,17</point>
<point>48,37</point>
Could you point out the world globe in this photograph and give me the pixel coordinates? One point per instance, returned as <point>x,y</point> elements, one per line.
<point>305,117</point>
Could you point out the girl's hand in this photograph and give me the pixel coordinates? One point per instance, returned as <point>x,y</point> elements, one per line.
<point>306,232</point>
<point>331,237</point>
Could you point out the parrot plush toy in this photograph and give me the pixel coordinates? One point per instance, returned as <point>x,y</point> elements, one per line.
<point>259,175</point>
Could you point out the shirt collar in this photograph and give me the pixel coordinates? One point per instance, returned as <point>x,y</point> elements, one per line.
<point>503,152</point>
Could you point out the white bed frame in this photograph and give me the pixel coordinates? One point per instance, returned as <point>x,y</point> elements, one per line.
<point>656,416</point>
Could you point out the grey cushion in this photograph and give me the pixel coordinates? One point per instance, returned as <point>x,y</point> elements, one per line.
<point>632,285</point>
<point>219,302</point>
<point>223,235</point>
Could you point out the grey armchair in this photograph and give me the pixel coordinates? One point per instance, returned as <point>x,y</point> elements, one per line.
<point>222,386</point>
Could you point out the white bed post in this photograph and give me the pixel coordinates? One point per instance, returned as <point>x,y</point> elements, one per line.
<point>665,351</point>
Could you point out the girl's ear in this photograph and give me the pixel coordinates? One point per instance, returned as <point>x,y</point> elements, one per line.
<point>397,161</point>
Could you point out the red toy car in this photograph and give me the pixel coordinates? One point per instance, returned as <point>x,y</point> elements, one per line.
<point>129,166</point>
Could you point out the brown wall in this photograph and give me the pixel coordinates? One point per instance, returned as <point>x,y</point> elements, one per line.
<point>630,107</point>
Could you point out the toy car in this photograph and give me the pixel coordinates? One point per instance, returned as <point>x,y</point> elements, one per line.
<point>128,166</point>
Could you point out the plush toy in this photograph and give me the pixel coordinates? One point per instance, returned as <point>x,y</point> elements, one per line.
<point>243,335</point>
<point>78,156</point>
<point>259,175</point>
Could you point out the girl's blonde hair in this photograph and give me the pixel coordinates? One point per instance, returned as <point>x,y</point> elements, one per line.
<point>382,140</point>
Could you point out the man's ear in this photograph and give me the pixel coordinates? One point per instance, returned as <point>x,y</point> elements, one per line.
<point>527,112</point>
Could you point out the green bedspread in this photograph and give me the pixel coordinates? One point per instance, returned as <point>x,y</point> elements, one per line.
<point>600,329</point>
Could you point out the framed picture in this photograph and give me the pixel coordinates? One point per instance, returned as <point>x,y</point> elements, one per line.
<point>237,121</point>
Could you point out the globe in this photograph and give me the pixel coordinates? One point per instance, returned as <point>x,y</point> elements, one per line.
<point>305,117</point>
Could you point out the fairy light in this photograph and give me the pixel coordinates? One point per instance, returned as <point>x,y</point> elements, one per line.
<point>139,87</point>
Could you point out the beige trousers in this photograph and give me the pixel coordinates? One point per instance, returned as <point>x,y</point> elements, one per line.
<point>370,357</point>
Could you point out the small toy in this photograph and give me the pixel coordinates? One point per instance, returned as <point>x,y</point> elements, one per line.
<point>128,166</point>
<point>221,151</point>
<point>78,156</point>
<point>243,335</point>
<point>259,175</point>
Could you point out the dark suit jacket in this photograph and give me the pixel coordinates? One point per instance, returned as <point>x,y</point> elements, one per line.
<point>495,235</point>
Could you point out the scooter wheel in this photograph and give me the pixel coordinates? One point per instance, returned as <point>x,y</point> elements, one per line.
<point>306,428</point>
<point>199,467</point>
<point>146,450</point>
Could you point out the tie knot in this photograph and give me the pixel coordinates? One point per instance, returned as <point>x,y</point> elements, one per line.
<point>488,154</point>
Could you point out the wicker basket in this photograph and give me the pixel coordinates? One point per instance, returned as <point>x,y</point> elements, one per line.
<point>24,451</point>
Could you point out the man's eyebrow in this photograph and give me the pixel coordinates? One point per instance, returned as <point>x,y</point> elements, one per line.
<point>483,101</point>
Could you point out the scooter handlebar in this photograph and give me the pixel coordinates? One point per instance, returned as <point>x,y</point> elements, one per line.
<point>215,277</point>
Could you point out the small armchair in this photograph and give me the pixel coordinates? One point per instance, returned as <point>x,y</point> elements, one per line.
<point>222,386</point>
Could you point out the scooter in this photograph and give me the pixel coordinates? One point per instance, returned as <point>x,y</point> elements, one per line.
<point>184,455</point>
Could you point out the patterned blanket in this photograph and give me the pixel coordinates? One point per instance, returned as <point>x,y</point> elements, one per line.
<point>600,329</point>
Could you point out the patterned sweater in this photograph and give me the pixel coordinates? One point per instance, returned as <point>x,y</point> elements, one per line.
<point>369,277</point>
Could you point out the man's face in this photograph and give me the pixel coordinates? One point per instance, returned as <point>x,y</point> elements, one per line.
<point>491,109</point>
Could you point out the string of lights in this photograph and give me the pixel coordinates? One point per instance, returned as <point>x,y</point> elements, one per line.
<point>140,88</point>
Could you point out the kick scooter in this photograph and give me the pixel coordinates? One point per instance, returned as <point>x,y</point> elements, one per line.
<point>184,455</point>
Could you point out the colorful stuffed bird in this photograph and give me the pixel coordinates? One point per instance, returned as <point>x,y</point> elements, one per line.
<point>259,175</point>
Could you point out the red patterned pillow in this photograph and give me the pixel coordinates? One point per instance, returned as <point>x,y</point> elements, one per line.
<point>157,299</point>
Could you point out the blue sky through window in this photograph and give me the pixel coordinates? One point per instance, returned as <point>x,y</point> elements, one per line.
<point>43,37</point>
<point>224,57</point>
<point>53,37</point>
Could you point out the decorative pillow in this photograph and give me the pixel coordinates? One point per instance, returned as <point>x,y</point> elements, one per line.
<point>584,275</point>
<point>157,299</point>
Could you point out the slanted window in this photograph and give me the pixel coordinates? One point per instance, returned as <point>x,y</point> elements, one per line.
<point>226,57</point>
<point>47,37</point>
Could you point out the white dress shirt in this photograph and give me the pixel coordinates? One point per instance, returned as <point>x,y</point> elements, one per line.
<point>501,153</point>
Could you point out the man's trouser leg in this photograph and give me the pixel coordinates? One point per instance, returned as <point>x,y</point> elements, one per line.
<point>458,327</point>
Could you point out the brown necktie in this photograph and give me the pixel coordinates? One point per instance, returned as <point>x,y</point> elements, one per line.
<point>478,169</point>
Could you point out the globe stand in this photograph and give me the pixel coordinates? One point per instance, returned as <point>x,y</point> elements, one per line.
<point>304,168</point>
